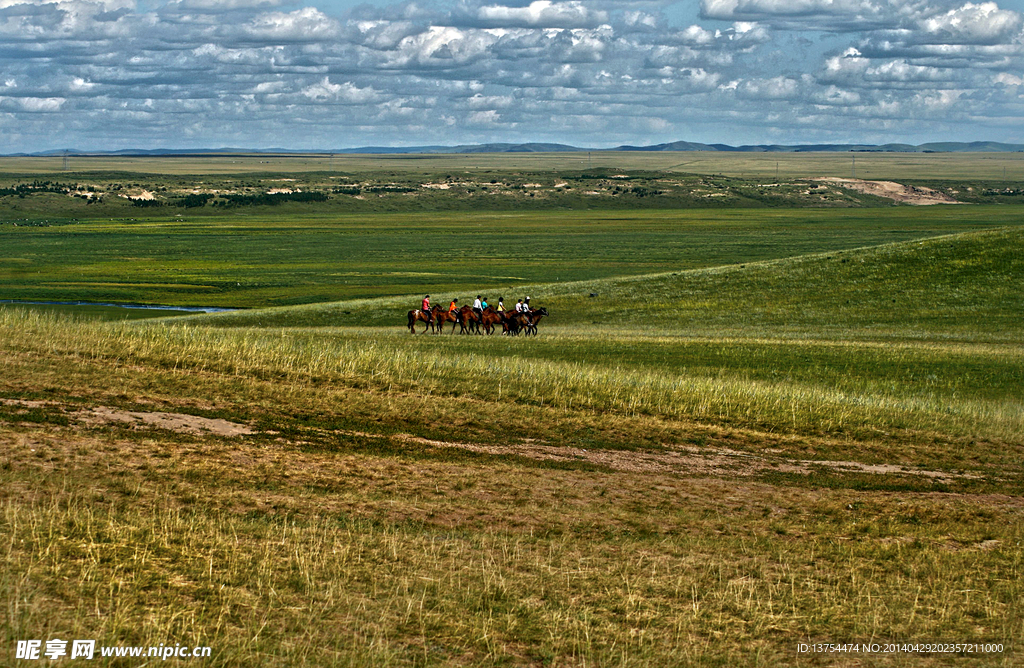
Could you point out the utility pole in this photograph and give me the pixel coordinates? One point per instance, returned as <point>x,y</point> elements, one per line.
<point>64,166</point>
<point>853,172</point>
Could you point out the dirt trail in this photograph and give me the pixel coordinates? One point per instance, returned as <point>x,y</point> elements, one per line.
<point>897,192</point>
<point>682,460</point>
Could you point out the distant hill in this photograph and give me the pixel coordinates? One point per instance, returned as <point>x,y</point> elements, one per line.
<point>933,147</point>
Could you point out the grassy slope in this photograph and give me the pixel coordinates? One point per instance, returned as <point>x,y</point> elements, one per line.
<point>803,356</point>
<point>327,538</point>
<point>966,286</point>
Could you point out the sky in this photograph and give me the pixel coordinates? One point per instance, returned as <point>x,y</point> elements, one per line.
<point>331,74</point>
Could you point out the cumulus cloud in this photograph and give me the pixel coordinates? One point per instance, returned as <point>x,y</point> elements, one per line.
<point>971,24</point>
<point>776,88</point>
<point>247,72</point>
<point>542,14</point>
<point>830,15</point>
<point>225,5</point>
<point>303,25</point>
<point>347,93</point>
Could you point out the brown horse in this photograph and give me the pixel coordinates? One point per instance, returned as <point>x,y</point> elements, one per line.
<point>514,323</point>
<point>468,320</point>
<point>442,316</point>
<point>417,316</point>
<point>491,318</point>
<point>532,318</point>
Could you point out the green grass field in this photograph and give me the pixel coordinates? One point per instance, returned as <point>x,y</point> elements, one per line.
<point>268,259</point>
<point>768,427</point>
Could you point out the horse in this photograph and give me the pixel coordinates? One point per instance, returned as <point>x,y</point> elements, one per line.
<point>442,316</point>
<point>467,316</point>
<point>492,317</point>
<point>532,318</point>
<point>514,323</point>
<point>418,315</point>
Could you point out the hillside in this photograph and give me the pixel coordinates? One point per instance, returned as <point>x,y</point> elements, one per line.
<point>943,288</point>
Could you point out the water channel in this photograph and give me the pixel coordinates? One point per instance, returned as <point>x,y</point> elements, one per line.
<point>111,310</point>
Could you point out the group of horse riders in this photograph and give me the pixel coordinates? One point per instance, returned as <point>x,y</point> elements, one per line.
<point>521,318</point>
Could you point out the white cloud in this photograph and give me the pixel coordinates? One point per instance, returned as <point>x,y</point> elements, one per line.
<point>830,15</point>
<point>34,104</point>
<point>303,25</point>
<point>776,88</point>
<point>543,14</point>
<point>345,92</point>
<point>489,117</point>
<point>226,5</point>
<point>972,24</point>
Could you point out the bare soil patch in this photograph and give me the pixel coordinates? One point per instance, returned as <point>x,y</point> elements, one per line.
<point>903,194</point>
<point>179,422</point>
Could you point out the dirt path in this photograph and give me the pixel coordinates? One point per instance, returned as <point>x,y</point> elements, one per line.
<point>681,460</point>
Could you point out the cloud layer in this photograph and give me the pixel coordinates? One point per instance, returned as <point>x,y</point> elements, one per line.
<point>259,73</point>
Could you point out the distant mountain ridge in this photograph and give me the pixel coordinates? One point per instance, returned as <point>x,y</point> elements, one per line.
<point>540,147</point>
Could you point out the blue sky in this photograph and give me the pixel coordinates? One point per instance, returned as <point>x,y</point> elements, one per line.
<point>323,74</point>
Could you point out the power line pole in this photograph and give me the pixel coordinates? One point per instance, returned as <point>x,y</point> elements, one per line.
<point>853,172</point>
<point>64,166</point>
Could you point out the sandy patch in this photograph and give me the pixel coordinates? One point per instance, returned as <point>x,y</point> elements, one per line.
<point>281,191</point>
<point>144,195</point>
<point>27,403</point>
<point>437,186</point>
<point>895,191</point>
<point>189,424</point>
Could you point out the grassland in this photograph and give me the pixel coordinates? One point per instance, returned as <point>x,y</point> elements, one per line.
<point>768,427</point>
<point>280,258</point>
<point>889,166</point>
